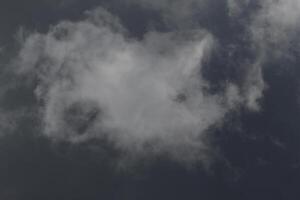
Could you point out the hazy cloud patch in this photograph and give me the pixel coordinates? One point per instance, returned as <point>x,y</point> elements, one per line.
<point>142,95</point>
<point>276,25</point>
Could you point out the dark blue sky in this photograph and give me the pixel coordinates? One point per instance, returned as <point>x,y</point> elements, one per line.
<point>256,155</point>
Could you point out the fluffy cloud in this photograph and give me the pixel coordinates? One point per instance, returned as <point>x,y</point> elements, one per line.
<point>94,81</point>
<point>273,29</point>
<point>276,24</point>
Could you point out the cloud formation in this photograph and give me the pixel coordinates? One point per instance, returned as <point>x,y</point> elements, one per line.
<point>276,24</point>
<point>94,81</point>
<point>176,12</point>
<point>273,29</point>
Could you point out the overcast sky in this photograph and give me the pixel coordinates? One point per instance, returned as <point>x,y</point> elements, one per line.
<point>140,99</point>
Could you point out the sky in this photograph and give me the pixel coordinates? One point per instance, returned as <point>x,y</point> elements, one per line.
<point>140,99</point>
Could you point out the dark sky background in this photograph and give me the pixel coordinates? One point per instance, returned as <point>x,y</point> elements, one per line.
<point>257,153</point>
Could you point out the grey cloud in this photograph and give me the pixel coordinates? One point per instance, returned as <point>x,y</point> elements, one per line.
<point>273,24</point>
<point>176,13</point>
<point>276,23</point>
<point>7,122</point>
<point>95,82</point>
<point>235,7</point>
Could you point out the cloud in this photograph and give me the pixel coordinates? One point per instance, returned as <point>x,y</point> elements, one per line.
<point>94,81</point>
<point>281,13</point>
<point>7,124</point>
<point>276,25</point>
<point>236,7</point>
<point>273,29</point>
<point>176,13</point>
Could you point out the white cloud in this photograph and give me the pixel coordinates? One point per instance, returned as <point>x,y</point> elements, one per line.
<point>276,24</point>
<point>273,27</point>
<point>282,13</point>
<point>137,94</point>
